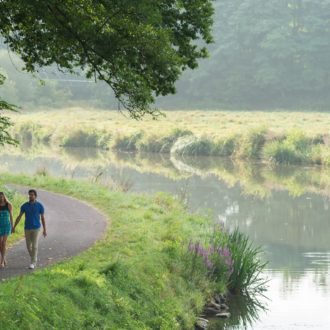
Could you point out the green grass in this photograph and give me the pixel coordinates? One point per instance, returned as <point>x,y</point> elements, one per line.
<point>87,139</point>
<point>272,136</point>
<point>141,275</point>
<point>132,279</point>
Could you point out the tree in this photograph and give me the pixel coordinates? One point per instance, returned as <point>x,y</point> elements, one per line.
<point>138,47</point>
<point>266,54</point>
<point>5,123</point>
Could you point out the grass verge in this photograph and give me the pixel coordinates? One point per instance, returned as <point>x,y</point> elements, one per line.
<point>132,279</point>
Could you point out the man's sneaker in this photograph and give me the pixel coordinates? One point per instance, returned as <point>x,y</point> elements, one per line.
<point>31,266</point>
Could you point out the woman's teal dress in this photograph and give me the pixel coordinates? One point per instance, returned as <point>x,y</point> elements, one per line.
<point>5,226</point>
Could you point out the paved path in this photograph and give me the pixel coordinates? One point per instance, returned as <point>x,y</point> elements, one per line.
<point>72,226</point>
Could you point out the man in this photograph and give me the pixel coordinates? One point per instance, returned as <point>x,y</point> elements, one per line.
<point>34,211</point>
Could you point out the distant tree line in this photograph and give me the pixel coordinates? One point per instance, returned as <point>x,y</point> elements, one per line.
<point>267,54</point>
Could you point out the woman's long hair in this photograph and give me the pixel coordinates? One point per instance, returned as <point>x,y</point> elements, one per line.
<point>5,198</point>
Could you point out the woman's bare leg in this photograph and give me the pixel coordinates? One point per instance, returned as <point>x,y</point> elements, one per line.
<point>3,250</point>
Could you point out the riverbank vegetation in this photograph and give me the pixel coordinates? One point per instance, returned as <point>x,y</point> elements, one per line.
<point>273,137</point>
<point>115,169</point>
<point>134,278</point>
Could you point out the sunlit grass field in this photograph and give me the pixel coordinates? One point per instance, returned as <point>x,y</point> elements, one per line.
<point>217,124</point>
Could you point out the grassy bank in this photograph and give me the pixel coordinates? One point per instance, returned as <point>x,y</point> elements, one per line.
<point>275,137</point>
<point>132,279</point>
<point>142,275</point>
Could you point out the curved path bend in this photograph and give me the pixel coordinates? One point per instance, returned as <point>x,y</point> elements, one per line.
<point>72,227</point>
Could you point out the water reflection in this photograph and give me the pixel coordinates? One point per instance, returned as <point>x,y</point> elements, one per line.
<point>283,209</point>
<point>245,312</point>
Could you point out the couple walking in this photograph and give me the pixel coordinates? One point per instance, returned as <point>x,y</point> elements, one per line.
<point>34,211</point>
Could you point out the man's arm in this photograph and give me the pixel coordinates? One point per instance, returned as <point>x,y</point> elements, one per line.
<point>43,221</point>
<point>18,219</point>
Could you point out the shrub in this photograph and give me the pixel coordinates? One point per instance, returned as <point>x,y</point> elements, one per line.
<point>230,260</point>
<point>162,144</point>
<point>127,143</point>
<point>282,153</point>
<point>251,145</point>
<point>225,147</point>
<point>193,146</point>
<point>89,139</point>
<point>298,140</point>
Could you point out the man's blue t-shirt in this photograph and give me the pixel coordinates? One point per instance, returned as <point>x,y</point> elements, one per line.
<point>32,214</point>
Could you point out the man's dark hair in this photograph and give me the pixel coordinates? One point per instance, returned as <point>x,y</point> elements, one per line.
<point>33,191</point>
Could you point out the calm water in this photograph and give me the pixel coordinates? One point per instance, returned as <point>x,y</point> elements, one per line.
<point>285,210</point>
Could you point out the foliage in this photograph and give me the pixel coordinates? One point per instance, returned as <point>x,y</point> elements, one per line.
<point>127,143</point>
<point>138,48</point>
<point>247,265</point>
<point>214,262</point>
<point>225,147</point>
<point>278,142</point>
<point>5,123</point>
<point>88,139</point>
<point>267,55</point>
<point>230,260</point>
<point>162,144</point>
<point>251,144</point>
<point>193,146</point>
<point>293,148</point>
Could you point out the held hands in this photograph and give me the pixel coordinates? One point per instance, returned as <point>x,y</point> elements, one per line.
<point>13,230</point>
<point>44,233</point>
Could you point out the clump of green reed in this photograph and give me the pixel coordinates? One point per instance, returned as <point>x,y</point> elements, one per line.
<point>127,142</point>
<point>321,155</point>
<point>230,261</point>
<point>31,133</point>
<point>294,148</point>
<point>247,266</point>
<point>162,144</point>
<point>225,147</point>
<point>194,146</point>
<point>251,144</point>
<point>87,139</point>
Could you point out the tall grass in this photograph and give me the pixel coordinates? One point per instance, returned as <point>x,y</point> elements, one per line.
<point>127,142</point>
<point>294,148</point>
<point>209,133</point>
<point>231,261</point>
<point>225,147</point>
<point>247,265</point>
<point>87,139</point>
<point>161,144</point>
<point>193,146</point>
<point>251,144</point>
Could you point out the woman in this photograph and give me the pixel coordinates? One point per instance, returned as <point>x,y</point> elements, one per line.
<point>6,224</point>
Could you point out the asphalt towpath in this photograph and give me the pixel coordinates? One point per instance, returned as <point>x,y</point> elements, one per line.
<point>72,227</point>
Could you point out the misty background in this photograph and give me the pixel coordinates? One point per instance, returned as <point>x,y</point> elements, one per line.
<point>266,55</point>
